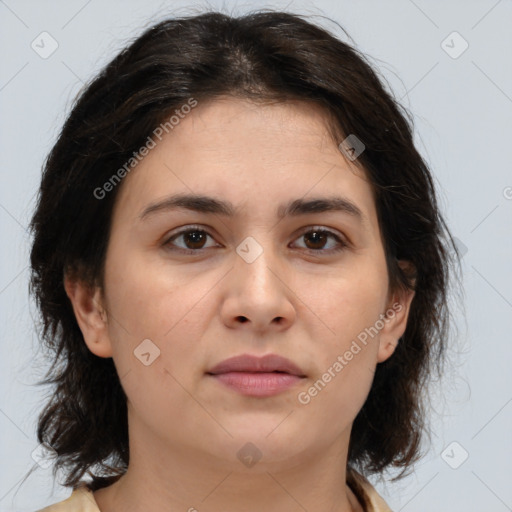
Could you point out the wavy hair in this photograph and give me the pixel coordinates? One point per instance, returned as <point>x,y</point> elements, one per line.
<point>261,56</point>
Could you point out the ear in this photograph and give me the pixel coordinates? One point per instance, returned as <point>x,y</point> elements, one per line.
<point>396,315</point>
<point>90,314</point>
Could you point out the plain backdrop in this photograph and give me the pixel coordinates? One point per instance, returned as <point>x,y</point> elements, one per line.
<point>459,89</point>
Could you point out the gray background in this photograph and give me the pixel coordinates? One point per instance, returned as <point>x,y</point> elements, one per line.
<point>462,108</point>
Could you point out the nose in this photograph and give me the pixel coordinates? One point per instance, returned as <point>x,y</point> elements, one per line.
<point>257,295</point>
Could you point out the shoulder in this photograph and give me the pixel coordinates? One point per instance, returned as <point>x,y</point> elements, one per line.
<point>81,500</point>
<point>365,491</point>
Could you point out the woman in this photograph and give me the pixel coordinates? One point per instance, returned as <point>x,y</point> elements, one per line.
<point>242,272</point>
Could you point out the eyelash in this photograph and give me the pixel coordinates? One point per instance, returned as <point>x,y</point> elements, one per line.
<point>314,229</point>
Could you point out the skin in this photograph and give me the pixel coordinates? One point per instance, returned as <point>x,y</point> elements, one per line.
<point>185,428</point>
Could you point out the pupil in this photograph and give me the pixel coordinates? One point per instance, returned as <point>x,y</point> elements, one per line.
<point>196,237</point>
<point>320,238</point>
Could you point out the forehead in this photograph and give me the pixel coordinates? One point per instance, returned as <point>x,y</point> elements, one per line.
<point>279,129</point>
<point>255,156</point>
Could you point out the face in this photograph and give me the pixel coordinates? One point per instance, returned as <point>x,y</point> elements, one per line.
<point>189,286</point>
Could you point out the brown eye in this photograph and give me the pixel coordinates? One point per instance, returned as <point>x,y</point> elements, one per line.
<point>191,239</point>
<point>194,239</point>
<point>316,239</point>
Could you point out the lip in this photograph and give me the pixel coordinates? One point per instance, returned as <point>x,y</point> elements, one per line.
<point>254,364</point>
<point>257,376</point>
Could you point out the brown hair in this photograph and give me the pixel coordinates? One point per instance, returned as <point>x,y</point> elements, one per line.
<point>263,56</point>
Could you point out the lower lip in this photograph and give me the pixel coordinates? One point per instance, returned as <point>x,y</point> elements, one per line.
<point>258,384</point>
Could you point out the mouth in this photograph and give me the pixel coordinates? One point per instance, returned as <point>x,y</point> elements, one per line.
<point>257,376</point>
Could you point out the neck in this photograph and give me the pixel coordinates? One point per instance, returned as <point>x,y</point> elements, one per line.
<point>162,478</point>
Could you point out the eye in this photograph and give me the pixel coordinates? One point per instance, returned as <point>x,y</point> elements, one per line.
<point>318,237</point>
<point>193,239</point>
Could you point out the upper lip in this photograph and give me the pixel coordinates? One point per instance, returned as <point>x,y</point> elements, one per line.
<point>249,363</point>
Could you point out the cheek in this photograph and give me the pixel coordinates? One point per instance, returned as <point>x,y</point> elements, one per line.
<point>151,298</point>
<point>353,302</point>
<point>337,396</point>
<point>351,306</point>
<point>345,368</point>
<point>147,301</point>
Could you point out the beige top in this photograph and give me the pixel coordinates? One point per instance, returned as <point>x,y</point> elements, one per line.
<point>82,500</point>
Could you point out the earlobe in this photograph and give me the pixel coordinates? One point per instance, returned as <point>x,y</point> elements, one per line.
<point>90,314</point>
<point>386,350</point>
<point>395,324</point>
<point>397,315</point>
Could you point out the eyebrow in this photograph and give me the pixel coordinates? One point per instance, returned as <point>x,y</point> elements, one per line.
<point>294,208</point>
